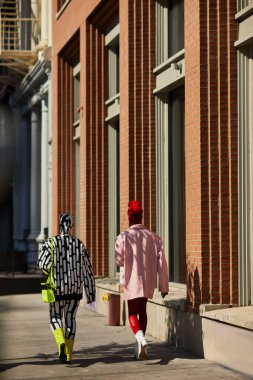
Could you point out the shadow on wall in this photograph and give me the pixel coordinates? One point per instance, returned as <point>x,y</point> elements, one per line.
<point>184,328</point>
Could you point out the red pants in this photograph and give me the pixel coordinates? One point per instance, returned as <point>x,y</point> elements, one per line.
<point>137,307</point>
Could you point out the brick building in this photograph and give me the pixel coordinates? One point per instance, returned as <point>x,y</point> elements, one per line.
<point>151,101</point>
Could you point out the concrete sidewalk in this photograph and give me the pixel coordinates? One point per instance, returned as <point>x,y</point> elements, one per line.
<point>28,350</point>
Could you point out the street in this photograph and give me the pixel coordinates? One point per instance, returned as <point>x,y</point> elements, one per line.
<point>28,350</point>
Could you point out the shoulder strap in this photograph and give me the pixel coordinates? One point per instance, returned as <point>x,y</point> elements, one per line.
<point>52,249</point>
<point>51,275</point>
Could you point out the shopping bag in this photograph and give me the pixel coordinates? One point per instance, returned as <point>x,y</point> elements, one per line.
<point>48,295</point>
<point>48,287</point>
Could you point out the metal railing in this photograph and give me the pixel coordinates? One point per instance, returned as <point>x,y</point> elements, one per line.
<point>18,34</point>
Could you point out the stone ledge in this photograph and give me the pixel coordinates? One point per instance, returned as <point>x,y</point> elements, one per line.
<point>204,308</point>
<point>176,299</point>
<point>109,284</point>
<point>229,314</point>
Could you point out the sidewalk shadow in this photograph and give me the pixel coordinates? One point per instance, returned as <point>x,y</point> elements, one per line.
<point>42,360</point>
<point>159,354</point>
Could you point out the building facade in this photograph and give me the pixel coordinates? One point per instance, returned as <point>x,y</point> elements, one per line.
<point>146,100</point>
<point>106,101</point>
<point>25,78</point>
<point>152,101</point>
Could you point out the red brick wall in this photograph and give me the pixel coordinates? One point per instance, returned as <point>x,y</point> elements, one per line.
<point>211,153</point>
<point>137,118</point>
<point>137,108</point>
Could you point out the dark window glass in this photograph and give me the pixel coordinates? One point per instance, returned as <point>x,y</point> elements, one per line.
<point>175,26</point>
<point>176,185</point>
<point>113,70</point>
<point>76,103</point>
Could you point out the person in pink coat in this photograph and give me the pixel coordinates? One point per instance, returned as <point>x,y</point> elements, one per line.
<point>140,252</point>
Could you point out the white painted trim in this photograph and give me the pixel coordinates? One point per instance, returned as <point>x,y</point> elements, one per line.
<point>76,70</point>
<point>245,12</point>
<point>169,79</point>
<point>58,14</point>
<point>245,164</point>
<point>112,37</point>
<point>174,59</point>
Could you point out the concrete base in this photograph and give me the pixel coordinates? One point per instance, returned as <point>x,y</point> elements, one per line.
<point>205,336</point>
<point>228,345</point>
<point>177,327</point>
<point>228,337</point>
<point>167,319</point>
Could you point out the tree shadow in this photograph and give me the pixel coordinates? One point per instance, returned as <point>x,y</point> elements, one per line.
<point>112,353</point>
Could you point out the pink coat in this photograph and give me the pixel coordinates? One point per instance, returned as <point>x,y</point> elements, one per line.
<point>140,252</point>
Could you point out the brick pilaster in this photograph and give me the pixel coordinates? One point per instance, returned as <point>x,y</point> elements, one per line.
<point>211,152</point>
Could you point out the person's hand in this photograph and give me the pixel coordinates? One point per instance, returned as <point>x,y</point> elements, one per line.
<point>121,288</point>
<point>164,294</point>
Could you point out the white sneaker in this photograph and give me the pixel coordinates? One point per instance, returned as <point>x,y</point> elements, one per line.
<point>142,346</point>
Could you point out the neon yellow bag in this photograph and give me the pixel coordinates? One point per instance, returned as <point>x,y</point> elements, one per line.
<point>48,287</point>
<point>48,295</point>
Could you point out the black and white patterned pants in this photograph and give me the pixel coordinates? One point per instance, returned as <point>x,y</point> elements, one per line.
<point>66,309</point>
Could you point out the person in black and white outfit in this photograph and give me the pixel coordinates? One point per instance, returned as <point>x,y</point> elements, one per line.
<point>72,272</point>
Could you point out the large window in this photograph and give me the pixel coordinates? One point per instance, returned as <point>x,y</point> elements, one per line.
<point>112,119</point>
<point>170,29</point>
<point>169,91</point>
<point>243,4</point>
<point>113,72</point>
<point>176,185</point>
<point>113,190</point>
<point>245,125</point>
<point>112,46</point>
<point>76,126</point>
<point>171,180</point>
<point>175,26</point>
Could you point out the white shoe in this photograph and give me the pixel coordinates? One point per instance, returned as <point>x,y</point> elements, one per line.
<point>142,346</point>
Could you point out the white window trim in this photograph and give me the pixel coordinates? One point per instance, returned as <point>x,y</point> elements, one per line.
<point>112,37</point>
<point>58,14</point>
<point>245,124</point>
<point>113,103</point>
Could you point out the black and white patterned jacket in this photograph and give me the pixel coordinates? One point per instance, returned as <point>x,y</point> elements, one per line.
<point>72,267</point>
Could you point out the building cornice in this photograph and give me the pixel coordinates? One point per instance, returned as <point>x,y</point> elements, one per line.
<point>31,83</point>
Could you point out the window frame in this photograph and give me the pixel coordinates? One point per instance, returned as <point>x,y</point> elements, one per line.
<point>77,142</point>
<point>112,105</point>
<point>170,75</point>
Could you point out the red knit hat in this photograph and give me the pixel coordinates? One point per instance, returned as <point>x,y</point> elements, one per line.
<point>134,212</point>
